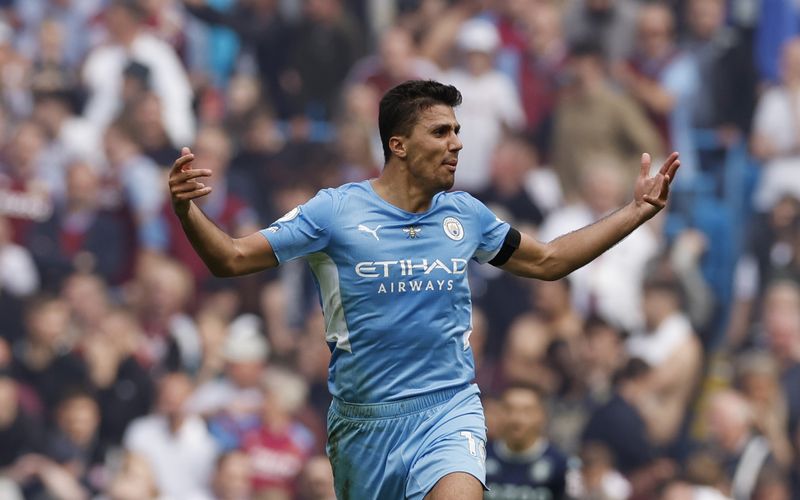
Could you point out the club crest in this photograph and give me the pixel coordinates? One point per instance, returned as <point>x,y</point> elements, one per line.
<point>453,228</point>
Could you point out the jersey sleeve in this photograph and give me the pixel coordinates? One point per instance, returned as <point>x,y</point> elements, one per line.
<point>303,230</point>
<point>493,232</point>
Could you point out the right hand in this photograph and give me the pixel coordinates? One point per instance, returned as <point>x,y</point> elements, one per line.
<point>184,184</point>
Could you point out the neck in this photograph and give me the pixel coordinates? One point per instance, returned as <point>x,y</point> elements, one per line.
<point>396,186</point>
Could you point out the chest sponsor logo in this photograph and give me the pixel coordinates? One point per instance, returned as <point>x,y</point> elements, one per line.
<point>418,275</point>
<point>453,228</point>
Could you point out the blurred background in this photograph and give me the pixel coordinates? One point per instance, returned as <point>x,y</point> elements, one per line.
<point>669,368</point>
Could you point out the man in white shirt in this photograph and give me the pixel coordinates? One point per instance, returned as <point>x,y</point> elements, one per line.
<point>103,73</point>
<point>177,445</point>
<point>491,103</point>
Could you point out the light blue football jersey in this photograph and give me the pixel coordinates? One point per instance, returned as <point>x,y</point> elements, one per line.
<point>393,286</point>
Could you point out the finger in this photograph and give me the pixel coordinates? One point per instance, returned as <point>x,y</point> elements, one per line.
<point>187,175</point>
<point>193,194</point>
<point>183,161</point>
<point>645,169</point>
<point>673,157</point>
<point>189,186</point>
<point>656,202</point>
<point>673,169</point>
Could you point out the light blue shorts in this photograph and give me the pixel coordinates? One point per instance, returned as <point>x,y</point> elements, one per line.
<point>399,450</point>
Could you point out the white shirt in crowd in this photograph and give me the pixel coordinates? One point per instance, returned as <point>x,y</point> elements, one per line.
<point>490,104</point>
<point>103,75</point>
<point>183,462</point>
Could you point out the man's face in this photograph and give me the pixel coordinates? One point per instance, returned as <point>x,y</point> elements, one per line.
<point>431,149</point>
<point>524,417</point>
<point>655,31</point>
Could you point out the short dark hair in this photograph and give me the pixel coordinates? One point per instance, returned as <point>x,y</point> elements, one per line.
<point>534,389</point>
<point>401,105</point>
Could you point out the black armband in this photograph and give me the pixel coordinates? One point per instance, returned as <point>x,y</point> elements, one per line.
<point>510,245</point>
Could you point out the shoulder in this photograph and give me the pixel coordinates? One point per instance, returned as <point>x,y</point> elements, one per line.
<point>143,429</point>
<point>460,199</point>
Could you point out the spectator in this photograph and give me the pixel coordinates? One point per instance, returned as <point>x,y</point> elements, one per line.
<point>523,357</point>
<point>80,235</point>
<point>609,286</point>
<point>727,91</point>
<point>323,48</point>
<point>129,41</point>
<point>491,104</point>
<point>19,279</point>
<point>758,380</point>
<point>122,388</point>
<point>160,297</point>
<point>26,194</point>
<point>620,425</point>
<point>134,480</point>
<point>519,184</point>
<point>74,18</point>
<point>175,443</point>
<point>232,403</point>
<point>232,477</point>
<point>74,137</point>
<point>20,432</point>
<point>145,115</point>
<point>280,447</point>
<point>75,443</point>
<point>593,120</point>
<point>540,70</point>
<point>747,455</point>
<point>664,81</point>
<point>775,136</point>
<point>44,359</point>
<point>395,62</point>
<point>133,184</point>
<point>603,356</point>
<point>781,328</point>
<point>265,33</point>
<point>611,22</point>
<point>764,260</point>
<point>597,477</point>
<point>671,348</point>
<point>522,463</point>
<point>88,299</point>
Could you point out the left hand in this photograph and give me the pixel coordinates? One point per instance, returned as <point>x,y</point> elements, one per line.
<point>651,193</point>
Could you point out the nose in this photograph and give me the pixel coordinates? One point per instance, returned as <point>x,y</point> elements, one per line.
<point>455,143</point>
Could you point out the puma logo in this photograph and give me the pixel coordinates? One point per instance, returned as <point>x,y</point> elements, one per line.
<point>373,232</point>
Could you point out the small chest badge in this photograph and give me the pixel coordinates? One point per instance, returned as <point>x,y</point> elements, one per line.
<point>453,228</point>
<point>412,232</point>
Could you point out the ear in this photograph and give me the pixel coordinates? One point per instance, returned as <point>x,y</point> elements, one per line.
<point>397,146</point>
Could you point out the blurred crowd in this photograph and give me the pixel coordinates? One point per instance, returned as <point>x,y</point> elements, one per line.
<point>669,368</point>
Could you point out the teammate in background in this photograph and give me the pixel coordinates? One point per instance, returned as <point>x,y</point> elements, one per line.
<point>522,463</point>
<point>390,257</point>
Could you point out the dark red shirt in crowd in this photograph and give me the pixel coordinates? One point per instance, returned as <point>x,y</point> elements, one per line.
<point>276,457</point>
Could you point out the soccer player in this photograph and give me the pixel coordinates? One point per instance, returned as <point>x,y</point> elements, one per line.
<point>390,258</point>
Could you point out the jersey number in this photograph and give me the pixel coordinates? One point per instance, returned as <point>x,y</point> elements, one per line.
<point>477,448</point>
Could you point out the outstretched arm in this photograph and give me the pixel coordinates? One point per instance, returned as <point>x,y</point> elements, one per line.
<point>224,256</point>
<point>554,260</point>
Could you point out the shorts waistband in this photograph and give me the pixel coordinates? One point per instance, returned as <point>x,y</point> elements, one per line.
<point>405,406</point>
